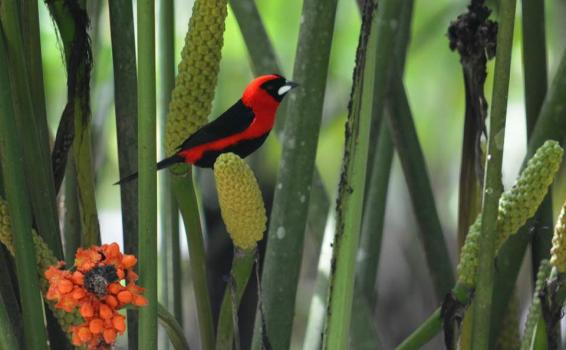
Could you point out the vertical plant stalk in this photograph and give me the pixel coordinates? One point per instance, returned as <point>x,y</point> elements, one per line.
<point>536,81</point>
<point>240,273</point>
<point>8,339</point>
<point>36,147</point>
<point>147,183</point>
<point>492,183</point>
<point>173,328</point>
<point>186,197</point>
<point>350,200</point>
<point>19,209</point>
<point>290,205</point>
<point>72,221</point>
<point>551,124</point>
<point>126,93</point>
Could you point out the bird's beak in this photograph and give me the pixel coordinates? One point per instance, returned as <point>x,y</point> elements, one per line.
<point>291,84</point>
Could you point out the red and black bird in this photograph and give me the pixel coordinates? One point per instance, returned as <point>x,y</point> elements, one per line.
<point>241,129</point>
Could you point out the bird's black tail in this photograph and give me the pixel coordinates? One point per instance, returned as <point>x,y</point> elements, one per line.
<point>165,163</point>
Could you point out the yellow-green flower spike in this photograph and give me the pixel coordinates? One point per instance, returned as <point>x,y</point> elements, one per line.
<point>468,264</point>
<point>558,251</point>
<point>191,99</point>
<point>241,204</point>
<point>508,338</point>
<point>44,258</point>
<point>535,309</point>
<point>520,203</point>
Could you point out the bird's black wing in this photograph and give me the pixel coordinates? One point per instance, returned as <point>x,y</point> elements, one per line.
<point>235,120</point>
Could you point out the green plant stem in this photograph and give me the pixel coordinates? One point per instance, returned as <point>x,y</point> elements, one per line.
<point>147,183</point>
<point>260,49</point>
<point>126,94</point>
<point>290,205</point>
<point>349,207</point>
<point>173,328</point>
<point>551,124</point>
<point>170,263</point>
<point>72,221</point>
<point>492,183</point>
<point>240,273</point>
<point>184,190</point>
<point>20,211</point>
<point>536,81</point>
<point>422,335</point>
<point>8,339</point>
<point>36,147</point>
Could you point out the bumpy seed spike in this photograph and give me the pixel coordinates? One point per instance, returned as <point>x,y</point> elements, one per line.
<point>241,204</point>
<point>508,338</point>
<point>520,203</point>
<point>516,206</point>
<point>44,258</point>
<point>558,251</point>
<point>191,99</point>
<point>468,264</point>
<point>535,309</point>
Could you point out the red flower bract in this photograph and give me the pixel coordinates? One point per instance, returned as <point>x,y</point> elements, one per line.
<point>102,282</point>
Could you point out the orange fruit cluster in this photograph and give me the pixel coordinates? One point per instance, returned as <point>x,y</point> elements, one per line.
<point>101,283</point>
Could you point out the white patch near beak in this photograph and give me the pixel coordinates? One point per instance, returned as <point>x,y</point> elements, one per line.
<point>283,90</point>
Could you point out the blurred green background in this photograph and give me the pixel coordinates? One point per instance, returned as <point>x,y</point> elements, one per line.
<point>435,87</point>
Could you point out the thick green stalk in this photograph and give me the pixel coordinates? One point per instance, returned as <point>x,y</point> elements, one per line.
<point>20,211</point>
<point>536,81</point>
<point>8,339</point>
<point>147,183</point>
<point>551,124</point>
<point>184,190</point>
<point>240,273</point>
<point>260,49</point>
<point>492,182</point>
<point>36,147</point>
<point>126,94</point>
<point>414,167</point>
<point>173,328</point>
<point>170,263</point>
<point>349,208</point>
<point>290,205</point>
<point>422,335</point>
<point>72,221</point>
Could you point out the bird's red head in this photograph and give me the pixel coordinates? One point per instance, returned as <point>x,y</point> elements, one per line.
<point>267,91</point>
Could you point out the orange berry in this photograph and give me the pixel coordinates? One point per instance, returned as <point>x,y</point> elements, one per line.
<point>111,301</point>
<point>86,310</point>
<point>65,286</point>
<point>114,288</point>
<point>76,340</point>
<point>132,276</point>
<point>78,278</point>
<point>84,334</point>
<point>105,311</point>
<point>109,335</point>
<point>125,297</point>
<point>78,293</point>
<point>139,300</point>
<point>120,274</point>
<point>129,261</point>
<point>96,326</point>
<point>118,323</point>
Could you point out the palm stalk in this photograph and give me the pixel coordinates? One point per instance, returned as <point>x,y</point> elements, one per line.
<point>184,190</point>
<point>72,221</point>
<point>36,148</point>
<point>173,328</point>
<point>147,183</point>
<point>351,188</point>
<point>290,205</point>
<point>19,208</point>
<point>492,183</point>
<point>8,339</point>
<point>240,273</point>
<point>125,90</point>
